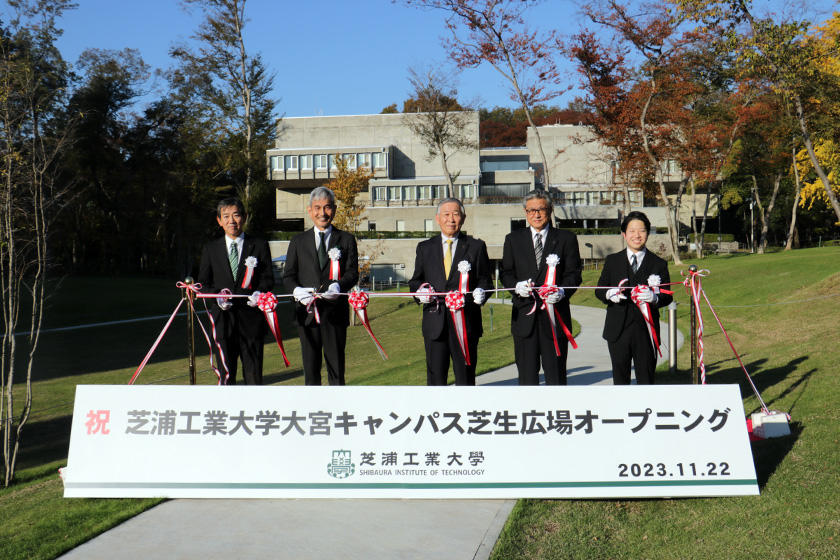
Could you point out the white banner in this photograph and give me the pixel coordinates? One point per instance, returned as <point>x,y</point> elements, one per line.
<point>408,442</point>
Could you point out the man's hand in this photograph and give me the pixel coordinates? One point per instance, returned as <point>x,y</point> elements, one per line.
<point>332,292</point>
<point>554,297</point>
<point>479,295</point>
<point>303,295</point>
<point>645,295</point>
<point>523,288</point>
<point>252,299</point>
<point>615,295</point>
<point>423,295</point>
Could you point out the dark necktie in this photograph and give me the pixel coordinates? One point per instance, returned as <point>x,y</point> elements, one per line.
<point>322,249</point>
<point>233,257</point>
<point>538,248</point>
<point>634,264</point>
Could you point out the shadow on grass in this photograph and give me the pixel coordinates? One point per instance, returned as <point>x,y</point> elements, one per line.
<point>44,442</point>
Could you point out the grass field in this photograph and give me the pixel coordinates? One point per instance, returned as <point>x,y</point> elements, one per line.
<point>781,312</point>
<point>37,521</point>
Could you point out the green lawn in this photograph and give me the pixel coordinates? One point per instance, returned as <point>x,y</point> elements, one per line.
<point>781,312</point>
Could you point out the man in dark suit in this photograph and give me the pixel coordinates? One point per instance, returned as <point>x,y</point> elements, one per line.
<point>625,330</point>
<point>436,269</point>
<point>322,260</point>
<point>524,271</point>
<point>240,327</point>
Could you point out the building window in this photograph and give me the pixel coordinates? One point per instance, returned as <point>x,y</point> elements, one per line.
<point>350,159</point>
<point>277,163</point>
<point>380,193</point>
<point>440,191</point>
<point>379,160</point>
<point>371,226</point>
<point>408,193</point>
<point>606,197</point>
<point>400,225</point>
<point>635,197</point>
<point>306,162</point>
<point>467,191</point>
<point>394,193</point>
<point>292,163</point>
<point>321,161</point>
<point>424,192</point>
<point>428,225</point>
<point>332,161</point>
<point>363,160</point>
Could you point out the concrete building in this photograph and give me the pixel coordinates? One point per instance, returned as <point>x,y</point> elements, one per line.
<point>407,184</point>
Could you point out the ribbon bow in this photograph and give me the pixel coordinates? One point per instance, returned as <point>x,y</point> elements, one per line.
<point>359,300</point>
<point>267,303</point>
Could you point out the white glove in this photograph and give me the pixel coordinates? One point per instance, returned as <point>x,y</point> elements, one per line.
<point>303,295</point>
<point>646,295</point>
<point>479,295</point>
<point>332,291</point>
<point>554,297</point>
<point>523,288</point>
<point>615,295</point>
<point>422,295</point>
<point>252,299</point>
<point>224,303</point>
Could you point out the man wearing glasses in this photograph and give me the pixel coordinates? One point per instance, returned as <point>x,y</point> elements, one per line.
<point>531,257</point>
<point>322,260</point>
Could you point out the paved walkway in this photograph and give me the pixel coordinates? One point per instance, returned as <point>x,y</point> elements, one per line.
<point>347,529</point>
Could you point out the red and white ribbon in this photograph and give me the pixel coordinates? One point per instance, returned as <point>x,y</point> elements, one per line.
<point>554,317</point>
<point>250,265</point>
<point>644,307</point>
<point>267,303</point>
<point>359,301</point>
<point>695,289</point>
<point>335,268</point>
<point>455,304</point>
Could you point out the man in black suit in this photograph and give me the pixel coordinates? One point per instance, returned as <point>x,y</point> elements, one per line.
<point>322,260</point>
<point>524,271</point>
<point>625,330</point>
<point>241,264</point>
<point>436,269</point>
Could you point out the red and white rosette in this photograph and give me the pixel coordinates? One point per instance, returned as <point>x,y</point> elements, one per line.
<point>554,318</point>
<point>335,269</point>
<point>250,265</point>
<point>359,300</point>
<point>455,304</point>
<point>644,307</point>
<point>267,303</point>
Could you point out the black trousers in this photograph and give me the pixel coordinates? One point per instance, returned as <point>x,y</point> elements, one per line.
<point>250,350</point>
<point>326,338</point>
<point>446,347</point>
<point>633,345</point>
<point>529,351</point>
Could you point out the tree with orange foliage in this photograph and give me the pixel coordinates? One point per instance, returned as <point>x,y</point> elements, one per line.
<point>347,185</point>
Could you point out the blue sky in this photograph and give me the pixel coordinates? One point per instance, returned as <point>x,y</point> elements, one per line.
<point>331,57</point>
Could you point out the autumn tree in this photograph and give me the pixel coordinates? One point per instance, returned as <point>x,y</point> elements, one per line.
<point>33,81</point>
<point>434,115</point>
<point>347,185</point>
<point>231,86</point>
<point>494,32</point>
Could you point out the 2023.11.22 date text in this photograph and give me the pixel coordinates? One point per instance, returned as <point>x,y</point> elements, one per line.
<point>652,470</point>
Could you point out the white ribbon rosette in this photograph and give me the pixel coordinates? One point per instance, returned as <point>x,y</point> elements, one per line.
<point>250,265</point>
<point>335,269</point>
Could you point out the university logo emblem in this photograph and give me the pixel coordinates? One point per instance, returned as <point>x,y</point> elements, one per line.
<point>341,465</point>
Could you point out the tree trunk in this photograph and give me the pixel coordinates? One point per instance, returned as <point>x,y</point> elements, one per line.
<point>765,216</point>
<point>806,137</point>
<point>450,187</point>
<point>798,186</point>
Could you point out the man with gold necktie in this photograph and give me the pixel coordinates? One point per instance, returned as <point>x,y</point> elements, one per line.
<point>451,262</point>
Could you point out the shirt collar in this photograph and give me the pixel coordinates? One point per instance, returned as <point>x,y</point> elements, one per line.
<point>639,256</point>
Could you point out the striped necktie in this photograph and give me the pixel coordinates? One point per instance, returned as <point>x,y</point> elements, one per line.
<point>233,257</point>
<point>634,264</point>
<point>538,248</point>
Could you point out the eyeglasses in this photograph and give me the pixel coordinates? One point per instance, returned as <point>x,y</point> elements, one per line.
<point>532,211</point>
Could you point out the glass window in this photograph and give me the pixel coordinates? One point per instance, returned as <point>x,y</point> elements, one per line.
<point>606,197</point>
<point>467,191</point>
<point>371,226</point>
<point>408,193</point>
<point>400,225</point>
<point>440,191</point>
<point>321,161</point>
<point>379,159</point>
<point>381,193</point>
<point>350,159</point>
<point>363,160</point>
<point>635,197</point>
<point>394,193</point>
<point>291,162</point>
<point>306,162</point>
<point>332,161</point>
<point>428,225</point>
<point>277,163</point>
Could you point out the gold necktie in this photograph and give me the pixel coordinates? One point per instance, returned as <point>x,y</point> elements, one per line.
<point>447,258</point>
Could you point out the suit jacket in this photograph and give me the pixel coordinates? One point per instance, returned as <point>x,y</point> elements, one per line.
<point>428,268</point>
<point>616,269</point>
<point>519,262</point>
<point>302,270</point>
<point>214,274</point>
